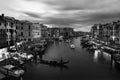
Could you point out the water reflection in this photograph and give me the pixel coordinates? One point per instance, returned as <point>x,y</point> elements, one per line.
<point>101,55</point>
<point>96,55</point>
<point>104,58</point>
<point>61,68</point>
<point>107,56</point>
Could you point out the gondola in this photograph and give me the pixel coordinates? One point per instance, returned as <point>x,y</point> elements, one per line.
<point>56,63</point>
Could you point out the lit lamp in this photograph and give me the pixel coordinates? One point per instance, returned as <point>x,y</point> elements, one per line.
<point>113,37</point>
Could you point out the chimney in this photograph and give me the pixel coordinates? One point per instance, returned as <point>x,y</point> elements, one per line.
<point>2,16</point>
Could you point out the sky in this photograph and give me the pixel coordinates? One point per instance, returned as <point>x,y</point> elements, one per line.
<point>78,14</point>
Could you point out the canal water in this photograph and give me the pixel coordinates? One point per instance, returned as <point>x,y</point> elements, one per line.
<point>83,65</point>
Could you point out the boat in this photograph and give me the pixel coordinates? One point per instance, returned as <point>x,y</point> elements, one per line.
<point>72,46</point>
<point>67,41</point>
<point>55,63</point>
<point>11,70</point>
<point>92,48</point>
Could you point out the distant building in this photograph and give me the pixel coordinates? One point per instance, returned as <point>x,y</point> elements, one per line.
<point>58,32</point>
<point>36,31</point>
<point>67,32</point>
<point>81,33</point>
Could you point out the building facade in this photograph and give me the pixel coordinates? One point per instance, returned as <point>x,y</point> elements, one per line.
<point>44,31</point>
<point>8,30</point>
<point>24,31</point>
<point>61,32</point>
<point>109,32</point>
<point>3,34</point>
<point>36,31</point>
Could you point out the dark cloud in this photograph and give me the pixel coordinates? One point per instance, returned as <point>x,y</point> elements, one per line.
<point>34,15</point>
<point>101,18</point>
<point>88,19</point>
<point>77,4</point>
<point>61,21</point>
<point>89,12</point>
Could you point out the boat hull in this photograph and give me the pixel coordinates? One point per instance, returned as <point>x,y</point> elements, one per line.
<point>13,73</point>
<point>55,63</point>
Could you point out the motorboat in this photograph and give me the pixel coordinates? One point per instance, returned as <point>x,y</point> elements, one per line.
<point>72,46</point>
<point>11,70</point>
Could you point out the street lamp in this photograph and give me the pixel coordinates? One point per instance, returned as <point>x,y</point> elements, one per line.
<point>113,37</point>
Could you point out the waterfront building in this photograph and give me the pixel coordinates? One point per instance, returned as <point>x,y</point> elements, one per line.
<point>8,30</point>
<point>11,30</point>
<point>68,32</point>
<point>18,30</point>
<point>3,34</point>
<point>44,31</point>
<point>25,31</point>
<point>94,31</point>
<point>109,32</point>
<point>116,32</point>
<point>36,31</point>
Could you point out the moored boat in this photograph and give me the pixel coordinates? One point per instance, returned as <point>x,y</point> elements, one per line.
<point>11,70</point>
<point>72,46</point>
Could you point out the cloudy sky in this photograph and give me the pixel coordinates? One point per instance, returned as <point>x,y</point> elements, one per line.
<point>78,14</point>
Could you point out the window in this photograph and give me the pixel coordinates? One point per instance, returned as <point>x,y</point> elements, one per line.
<point>29,27</point>
<point>21,27</point>
<point>11,25</point>
<point>7,30</point>
<point>16,27</point>
<point>29,39</point>
<point>5,24</point>
<point>29,33</point>
<point>21,33</point>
